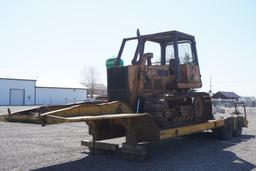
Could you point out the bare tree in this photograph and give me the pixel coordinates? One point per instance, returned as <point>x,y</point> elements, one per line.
<point>187,59</point>
<point>89,78</point>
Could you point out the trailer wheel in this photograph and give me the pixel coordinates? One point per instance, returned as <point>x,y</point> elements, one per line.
<point>225,132</point>
<point>239,127</point>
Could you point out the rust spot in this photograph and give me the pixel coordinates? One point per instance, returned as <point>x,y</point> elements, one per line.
<point>176,132</point>
<point>215,124</point>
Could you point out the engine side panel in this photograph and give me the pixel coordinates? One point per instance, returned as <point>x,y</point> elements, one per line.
<point>118,84</point>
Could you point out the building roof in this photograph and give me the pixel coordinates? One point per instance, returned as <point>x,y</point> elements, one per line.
<point>19,79</point>
<point>97,86</point>
<point>100,86</point>
<point>227,94</point>
<point>14,75</point>
<point>47,83</point>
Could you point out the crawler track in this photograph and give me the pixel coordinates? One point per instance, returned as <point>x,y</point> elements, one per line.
<point>170,113</point>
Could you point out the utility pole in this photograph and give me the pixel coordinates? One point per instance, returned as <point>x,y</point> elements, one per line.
<point>210,91</point>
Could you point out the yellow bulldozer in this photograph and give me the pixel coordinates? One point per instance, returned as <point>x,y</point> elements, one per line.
<point>166,87</point>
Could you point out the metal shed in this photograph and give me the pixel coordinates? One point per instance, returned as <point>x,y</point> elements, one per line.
<point>17,92</point>
<point>59,93</point>
<point>20,92</point>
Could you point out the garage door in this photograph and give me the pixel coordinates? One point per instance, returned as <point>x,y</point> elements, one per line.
<point>17,97</point>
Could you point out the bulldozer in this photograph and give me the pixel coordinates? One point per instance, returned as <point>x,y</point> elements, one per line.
<point>151,99</point>
<point>165,88</point>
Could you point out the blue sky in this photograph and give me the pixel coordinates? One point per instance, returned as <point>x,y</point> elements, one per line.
<point>54,39</point>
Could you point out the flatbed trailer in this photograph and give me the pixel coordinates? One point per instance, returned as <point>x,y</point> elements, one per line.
<point>224,127</point>
<point>109,121</point>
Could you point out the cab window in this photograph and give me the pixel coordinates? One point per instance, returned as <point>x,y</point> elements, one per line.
<point>185,53</point>
<point>169,53</point>
<point>156,50</point>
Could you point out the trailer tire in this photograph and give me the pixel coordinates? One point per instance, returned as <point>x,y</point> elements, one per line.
<point>225,132</point>
<point>216,133</point>
<point>239,127</point>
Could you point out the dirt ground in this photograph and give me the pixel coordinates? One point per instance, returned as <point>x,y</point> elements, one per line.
<point>57,147</point>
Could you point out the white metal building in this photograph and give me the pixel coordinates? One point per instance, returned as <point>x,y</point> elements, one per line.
<point>17,91</point>
<point>58,95</point>
<point>32,92</point>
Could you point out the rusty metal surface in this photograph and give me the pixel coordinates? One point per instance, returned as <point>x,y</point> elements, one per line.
<point>137,84</point>
<point>135,127</point>
<point>106,120</point>
<point>36,115</point>
<point>53,119</point>
<point>91,110</point>
<point>170,111</point>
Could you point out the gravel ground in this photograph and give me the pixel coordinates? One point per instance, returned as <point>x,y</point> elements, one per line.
<point>57,147</point>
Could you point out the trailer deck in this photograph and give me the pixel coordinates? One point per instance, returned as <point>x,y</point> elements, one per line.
<point>138,151</point>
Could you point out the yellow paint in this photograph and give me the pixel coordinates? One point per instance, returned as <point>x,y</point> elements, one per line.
<point>167,133</point>
<point>91,110</point>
